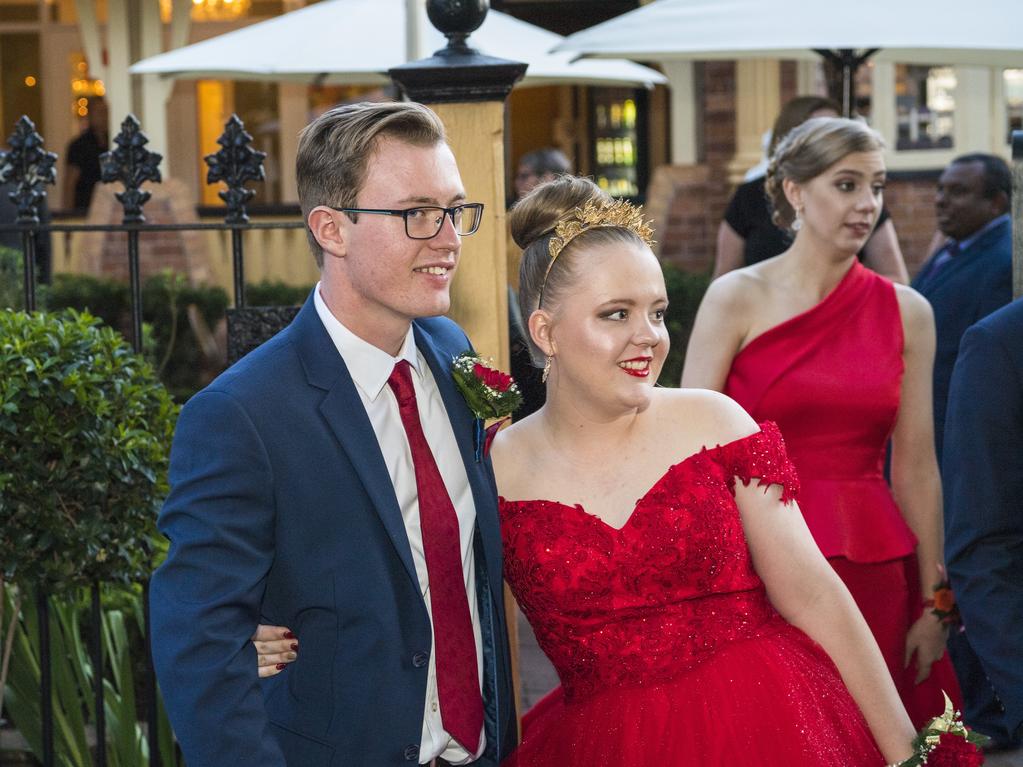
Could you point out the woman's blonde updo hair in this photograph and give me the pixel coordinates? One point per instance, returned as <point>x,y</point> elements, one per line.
<point>533,220</point>
<point>809,150</point>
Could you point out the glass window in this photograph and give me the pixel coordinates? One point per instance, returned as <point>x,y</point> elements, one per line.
<point>19,10</point>
<point>20,91</point>
<point>924,106</point>
<point>1013,79</point>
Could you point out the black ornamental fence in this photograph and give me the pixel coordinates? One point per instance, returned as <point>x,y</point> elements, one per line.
<point>28,167</point>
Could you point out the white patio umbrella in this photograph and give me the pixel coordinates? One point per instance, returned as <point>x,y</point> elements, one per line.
<point>355,42</point>
<point>982,32</point>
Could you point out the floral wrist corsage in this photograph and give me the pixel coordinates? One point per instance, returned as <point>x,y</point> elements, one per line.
<point>488,392</point>
<point>943,603</point>
<point>946,742</point>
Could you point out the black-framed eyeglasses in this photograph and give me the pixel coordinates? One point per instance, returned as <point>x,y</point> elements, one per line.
<point>425,222</point>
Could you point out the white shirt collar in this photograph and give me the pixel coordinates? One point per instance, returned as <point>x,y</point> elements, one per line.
<point>369,366</point>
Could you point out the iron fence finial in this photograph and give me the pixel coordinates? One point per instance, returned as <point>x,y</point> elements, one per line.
<point>29,167</point>
<point>235,163</point>
<point>131,164</point>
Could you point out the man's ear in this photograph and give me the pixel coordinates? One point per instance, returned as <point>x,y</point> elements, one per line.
<point>540,330</point>
<point>1001,203</point>
<point>323,223</point>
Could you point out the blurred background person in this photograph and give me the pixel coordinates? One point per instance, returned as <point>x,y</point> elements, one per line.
<point>538,166</point>
<point>747,235</point>
<point>970,276</point>
<point>841,359</point>
<point>535,168</point>
<point>83,153</point>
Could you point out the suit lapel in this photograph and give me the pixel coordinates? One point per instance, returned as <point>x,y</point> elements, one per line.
<point>929,282</point>
<point>346,416</point>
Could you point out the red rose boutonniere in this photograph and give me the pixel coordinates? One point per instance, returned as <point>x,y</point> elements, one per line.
<point>489,393</point>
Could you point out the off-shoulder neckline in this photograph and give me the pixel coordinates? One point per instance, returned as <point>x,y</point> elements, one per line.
<point>767,428</point>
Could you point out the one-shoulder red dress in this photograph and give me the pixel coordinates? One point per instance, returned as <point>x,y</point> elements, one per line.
<point>668,650</point>
<point>830,378</point>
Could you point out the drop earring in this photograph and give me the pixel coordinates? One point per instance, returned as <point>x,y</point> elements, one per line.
<point>546,368</point>
<point>797,222</point>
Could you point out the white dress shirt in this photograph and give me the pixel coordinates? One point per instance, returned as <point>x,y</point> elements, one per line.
<point>370,367</point>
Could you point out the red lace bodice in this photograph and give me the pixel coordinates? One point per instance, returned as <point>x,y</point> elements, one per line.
<point>645,603</point>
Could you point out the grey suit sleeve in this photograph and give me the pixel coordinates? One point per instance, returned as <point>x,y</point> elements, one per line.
<point>206,597</point>
<point>983,484</point>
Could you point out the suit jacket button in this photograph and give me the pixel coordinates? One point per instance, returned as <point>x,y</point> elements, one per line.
<point>411,753</point>
<point>420,659</point>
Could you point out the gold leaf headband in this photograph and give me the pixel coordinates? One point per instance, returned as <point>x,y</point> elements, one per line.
<point>595,214</point>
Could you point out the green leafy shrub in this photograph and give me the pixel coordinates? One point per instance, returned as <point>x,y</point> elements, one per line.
<point>85,431</point>
<point>168,340</point>
<point>268,293</point>
<point>106,299</point>
<point>12,291</point>
<point>685,291</point>
<point>165,301</point>
<point>72,675</point>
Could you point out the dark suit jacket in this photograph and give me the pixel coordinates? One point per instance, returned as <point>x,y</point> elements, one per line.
<point>963,291</point>
<point>282,512</point>
<point>983,483</point>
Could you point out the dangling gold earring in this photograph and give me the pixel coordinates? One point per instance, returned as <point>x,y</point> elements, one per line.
<point>546,368</point>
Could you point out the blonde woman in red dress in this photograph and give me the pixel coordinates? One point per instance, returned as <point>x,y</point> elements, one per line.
<point>840,358</point>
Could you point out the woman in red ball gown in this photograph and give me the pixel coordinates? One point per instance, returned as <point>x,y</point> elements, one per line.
<point>840,359</point>
<point>652,539</point>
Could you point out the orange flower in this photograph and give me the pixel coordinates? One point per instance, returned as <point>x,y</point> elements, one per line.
<point>944,600</point>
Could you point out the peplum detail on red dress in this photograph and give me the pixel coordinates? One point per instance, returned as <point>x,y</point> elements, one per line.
<point>830,378</point>
<point>667,647</point>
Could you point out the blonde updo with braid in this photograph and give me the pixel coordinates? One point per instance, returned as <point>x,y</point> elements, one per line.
<point>809,150</point>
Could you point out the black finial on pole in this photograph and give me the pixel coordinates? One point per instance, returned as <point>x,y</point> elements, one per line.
<point>28,166</point>
<point>131,164</point>
<point>457,19</point>
<point>234,164</point>
<point>457,72</point>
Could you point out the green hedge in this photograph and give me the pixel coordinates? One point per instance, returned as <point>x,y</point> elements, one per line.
<point>685,291</point>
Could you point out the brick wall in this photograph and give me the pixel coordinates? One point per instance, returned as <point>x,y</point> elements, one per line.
<point>910,200</point>
<point>105,254</point>
<point>687,202</point>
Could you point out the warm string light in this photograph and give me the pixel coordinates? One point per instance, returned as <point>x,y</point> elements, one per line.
<point>216,10</point>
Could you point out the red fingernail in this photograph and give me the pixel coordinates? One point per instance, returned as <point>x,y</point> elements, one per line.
<point>294,647</point>
<point>288,635</point>
<point>281,666</point>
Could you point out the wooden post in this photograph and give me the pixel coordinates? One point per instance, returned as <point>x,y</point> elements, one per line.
<point>468,91</point>
<point>480,290</point>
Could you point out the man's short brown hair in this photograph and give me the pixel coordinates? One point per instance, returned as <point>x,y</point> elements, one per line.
<point>334,150</point>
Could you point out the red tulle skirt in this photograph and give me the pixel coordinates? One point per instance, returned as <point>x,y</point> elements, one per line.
<point>774,701</point>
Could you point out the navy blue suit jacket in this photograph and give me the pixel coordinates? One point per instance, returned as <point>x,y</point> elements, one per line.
<point>963,291</point>
<point>281,511</point>
<point>983,483</point>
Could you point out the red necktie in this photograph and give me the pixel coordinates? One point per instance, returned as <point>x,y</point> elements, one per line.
<point>461,705</point>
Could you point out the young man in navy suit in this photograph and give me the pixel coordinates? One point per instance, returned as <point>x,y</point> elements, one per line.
<point>328,483</point>
<point>983,480</point>
<point>971,274</point>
